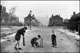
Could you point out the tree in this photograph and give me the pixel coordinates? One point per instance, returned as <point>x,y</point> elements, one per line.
<point>12,15</point>
<point>12,11</point>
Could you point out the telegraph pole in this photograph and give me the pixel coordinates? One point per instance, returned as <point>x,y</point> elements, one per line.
<point>30,18</point>
<point>79,27</point>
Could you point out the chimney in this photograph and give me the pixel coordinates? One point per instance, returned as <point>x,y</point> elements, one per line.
<point>74,13</point>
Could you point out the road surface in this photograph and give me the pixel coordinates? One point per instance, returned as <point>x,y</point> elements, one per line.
<point>63,44</point>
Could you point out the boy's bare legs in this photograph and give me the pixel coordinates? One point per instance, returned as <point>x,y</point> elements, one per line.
<point>16,45</point>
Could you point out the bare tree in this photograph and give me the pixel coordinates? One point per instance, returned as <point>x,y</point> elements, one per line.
<point>12,11</point>
<point>11,14</point>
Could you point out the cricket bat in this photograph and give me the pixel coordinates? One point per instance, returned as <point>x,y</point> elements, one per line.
<point>23,41</point>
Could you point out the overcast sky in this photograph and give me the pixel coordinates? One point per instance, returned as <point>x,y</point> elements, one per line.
<point>43,9</point>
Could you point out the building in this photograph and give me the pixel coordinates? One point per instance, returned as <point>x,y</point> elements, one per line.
<point>66,23</point>
<point>34,21</point>
<point>27,20</point>
<point>55,20</point>
<point>4,16</point>
<point>73,22</point>
<point>6,19</point>
<point>14,20</point>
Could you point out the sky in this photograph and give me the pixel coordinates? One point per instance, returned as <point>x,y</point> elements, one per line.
<point>42,9</point>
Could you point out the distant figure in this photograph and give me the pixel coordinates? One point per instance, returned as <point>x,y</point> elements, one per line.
<point>53,37</point>
<point>18,36</point>
<point>34,41</point>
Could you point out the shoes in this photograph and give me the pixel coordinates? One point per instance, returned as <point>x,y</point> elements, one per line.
<point>37,46</point>
<point>19,48</point>
<point>32,46</point>
<point>15,48</point>
<point>55,46</point>
<point>52,45</point>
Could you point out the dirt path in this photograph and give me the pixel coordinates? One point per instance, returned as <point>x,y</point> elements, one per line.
<point>63,44</point>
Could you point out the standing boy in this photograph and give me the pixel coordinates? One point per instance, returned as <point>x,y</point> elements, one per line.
<point>53,37</point>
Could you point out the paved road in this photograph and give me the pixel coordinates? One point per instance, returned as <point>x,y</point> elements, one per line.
<point>63,44</point>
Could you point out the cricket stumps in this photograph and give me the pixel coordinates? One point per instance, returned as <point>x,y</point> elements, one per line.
<point>41,43</point>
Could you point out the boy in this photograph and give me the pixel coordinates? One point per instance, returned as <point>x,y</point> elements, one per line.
<point>34,41</point>
<point>18,36</point>
<point>53,36</point>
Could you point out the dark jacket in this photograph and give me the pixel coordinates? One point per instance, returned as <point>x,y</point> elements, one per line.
<point>19,33</point>
<point>34,40</point>
<point>53,36</point>
<point>54,39</point>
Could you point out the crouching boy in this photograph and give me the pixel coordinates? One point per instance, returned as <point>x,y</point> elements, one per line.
<point>34,41</point>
